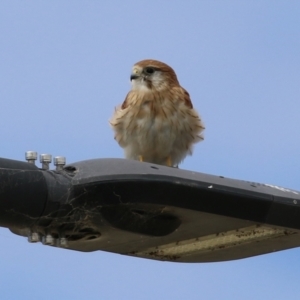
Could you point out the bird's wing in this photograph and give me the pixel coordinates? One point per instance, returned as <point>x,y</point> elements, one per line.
<point>125,104</point>
<point>184,96</point>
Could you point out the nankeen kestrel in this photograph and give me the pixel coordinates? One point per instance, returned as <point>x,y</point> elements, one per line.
<point>156,123</point>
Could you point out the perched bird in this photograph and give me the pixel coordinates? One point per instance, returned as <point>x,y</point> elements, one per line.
<point>156,123</point>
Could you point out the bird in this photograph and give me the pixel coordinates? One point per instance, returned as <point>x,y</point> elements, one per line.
<point>157,122</point>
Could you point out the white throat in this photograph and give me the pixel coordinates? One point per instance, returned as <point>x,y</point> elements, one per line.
<point>139,85</point>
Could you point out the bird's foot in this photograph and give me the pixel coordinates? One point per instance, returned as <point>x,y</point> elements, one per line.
<point>141,158</point>
<point>169,162</point>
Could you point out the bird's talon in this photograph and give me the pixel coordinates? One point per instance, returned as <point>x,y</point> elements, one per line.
<point>169,162</point>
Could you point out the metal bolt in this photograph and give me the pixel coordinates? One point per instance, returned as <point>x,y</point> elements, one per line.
<point>33,237</point>
<point>45,159</point>
<point>31,156</point>
<point>48,240</point>
<point>62,242</point>
<point>59,162</point>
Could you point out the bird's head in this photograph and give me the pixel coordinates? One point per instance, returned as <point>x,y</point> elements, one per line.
<point>149,74</point>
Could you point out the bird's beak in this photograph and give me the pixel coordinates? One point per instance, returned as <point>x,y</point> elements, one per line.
<point>136,73</point>
<point>134,76</point>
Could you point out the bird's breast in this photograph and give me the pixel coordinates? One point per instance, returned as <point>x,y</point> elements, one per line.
<point>153,115</point>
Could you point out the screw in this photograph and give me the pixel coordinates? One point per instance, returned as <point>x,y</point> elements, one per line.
<point>48,240</point>
<point>45,159</point>
<point>63,242</point>
<point>33,237</point>
<point>31,156</point>
<point>59,162</point>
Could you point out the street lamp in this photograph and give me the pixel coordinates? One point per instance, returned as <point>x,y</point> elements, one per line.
<point>145,210</point>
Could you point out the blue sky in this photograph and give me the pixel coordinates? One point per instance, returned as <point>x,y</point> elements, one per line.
<point>65,65</point>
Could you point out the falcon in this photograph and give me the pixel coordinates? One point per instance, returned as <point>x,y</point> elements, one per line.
<point>157,122</point>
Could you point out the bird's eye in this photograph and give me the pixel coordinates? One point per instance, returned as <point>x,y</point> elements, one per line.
<point>149,70</point>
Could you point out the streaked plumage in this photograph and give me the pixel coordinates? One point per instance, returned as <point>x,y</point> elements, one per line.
<point>156,123</point>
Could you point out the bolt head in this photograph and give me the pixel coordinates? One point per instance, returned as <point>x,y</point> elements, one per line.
<point>48,240</point>
<point>45,158</point>
<point>33,237</point>
<point>63,242</point>
<point>59,160</point>
<point>30,155</point>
